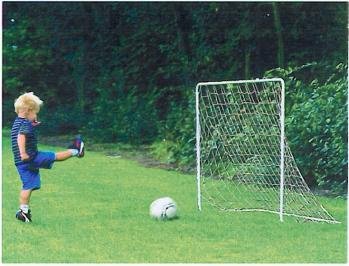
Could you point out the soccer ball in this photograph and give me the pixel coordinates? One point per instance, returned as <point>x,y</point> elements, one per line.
<point>163,209</point>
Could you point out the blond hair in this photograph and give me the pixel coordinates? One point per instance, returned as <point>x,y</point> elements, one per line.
<point>28,102</point>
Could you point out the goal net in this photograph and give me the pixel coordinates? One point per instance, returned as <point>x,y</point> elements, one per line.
<point>243,160</point>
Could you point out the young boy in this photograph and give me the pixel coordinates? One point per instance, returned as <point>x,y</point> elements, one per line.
<point>27,158</point>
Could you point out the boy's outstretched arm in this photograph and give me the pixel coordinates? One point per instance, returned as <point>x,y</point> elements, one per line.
<point>21,145</point>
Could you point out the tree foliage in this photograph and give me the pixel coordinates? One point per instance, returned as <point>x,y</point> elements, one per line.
<point>125,71</point>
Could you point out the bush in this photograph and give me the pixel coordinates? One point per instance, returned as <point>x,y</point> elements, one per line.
<point>316,124</point>
<point>177,133</point>
<point>123,117</point>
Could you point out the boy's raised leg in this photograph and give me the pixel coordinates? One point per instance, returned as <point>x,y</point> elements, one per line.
<point>76,149</point>
<point>63,155</point>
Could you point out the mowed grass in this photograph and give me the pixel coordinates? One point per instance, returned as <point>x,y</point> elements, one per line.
<point>96,209</point>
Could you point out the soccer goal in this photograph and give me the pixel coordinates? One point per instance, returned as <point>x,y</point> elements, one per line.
<point>243,160</point>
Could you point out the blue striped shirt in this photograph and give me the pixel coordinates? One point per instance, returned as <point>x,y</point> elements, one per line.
<point>23,126</point>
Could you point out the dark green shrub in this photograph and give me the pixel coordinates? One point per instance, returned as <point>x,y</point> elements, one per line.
<point>316,123</point>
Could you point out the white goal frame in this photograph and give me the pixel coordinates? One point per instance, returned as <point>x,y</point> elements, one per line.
<point>282,148</point>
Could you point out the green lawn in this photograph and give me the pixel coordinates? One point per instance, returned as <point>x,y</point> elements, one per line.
<point>95,209</point>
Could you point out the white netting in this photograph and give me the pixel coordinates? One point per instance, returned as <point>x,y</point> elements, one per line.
<point>240,155</point>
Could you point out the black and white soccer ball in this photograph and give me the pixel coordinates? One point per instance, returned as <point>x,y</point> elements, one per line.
<point>163,209</point>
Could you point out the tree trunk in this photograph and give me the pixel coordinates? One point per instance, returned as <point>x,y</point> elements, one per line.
<point>280,42</point>
<point>78,74</point>
<point>182,26</point>
<point>247,63</point>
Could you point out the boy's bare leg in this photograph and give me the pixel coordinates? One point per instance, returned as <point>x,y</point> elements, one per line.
<point>24,196</point>
<point>23,213</point>
<point>63,155</point>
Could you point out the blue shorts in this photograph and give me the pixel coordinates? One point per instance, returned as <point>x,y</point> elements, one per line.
<point>29,171</point>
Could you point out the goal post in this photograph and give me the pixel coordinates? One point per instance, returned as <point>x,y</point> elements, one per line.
<point>198,133</point>
<point>243,160</point>
<point>282,145</point>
